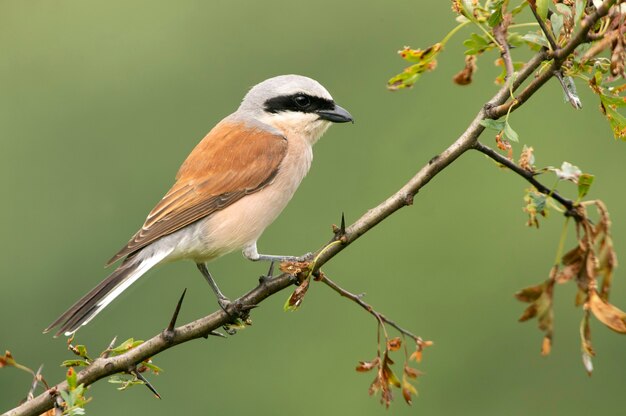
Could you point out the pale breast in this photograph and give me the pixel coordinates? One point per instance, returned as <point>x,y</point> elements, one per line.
<point>243,222</point>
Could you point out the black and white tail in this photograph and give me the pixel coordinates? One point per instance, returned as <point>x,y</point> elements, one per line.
<point>100,296</point>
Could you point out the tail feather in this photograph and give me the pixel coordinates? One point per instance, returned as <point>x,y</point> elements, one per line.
<point>87,307</point>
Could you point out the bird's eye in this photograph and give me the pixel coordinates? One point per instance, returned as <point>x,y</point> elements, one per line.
<point>302,101</point>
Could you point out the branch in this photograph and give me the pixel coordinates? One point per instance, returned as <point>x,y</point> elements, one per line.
<point>500,32</point>
<point>543,26</point>
<point>203,327</point>
<point>359,301</point>
<point>529,176</point>
<point>558,56</point>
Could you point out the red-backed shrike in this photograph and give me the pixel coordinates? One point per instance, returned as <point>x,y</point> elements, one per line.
<point>231,187</point>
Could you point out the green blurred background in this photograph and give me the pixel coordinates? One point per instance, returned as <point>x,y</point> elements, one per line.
<point>101,101</point>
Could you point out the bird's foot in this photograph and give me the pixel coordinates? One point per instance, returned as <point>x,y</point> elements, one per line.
<point>238,313</point>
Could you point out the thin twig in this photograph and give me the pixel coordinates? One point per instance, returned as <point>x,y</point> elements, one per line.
<point>359,301</point>
<point>500,32</point>
<point>544,27</point>
<point>529,176</point>
<point>36,378</point>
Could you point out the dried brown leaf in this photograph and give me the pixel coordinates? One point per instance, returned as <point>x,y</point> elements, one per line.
<point>411,372</point>
<point>531,293</point>
<point>394,344</point>
<point>606,313</point>
<point>296,298</point>
<point>568,272</point>
<point>529,313</point>
<point>295,268</point>
<point>526,159</point>
<point>417,356</point>
<point>546,345</point>
<point>7,359</point>
<point>408,390</point>
<point>464,77</point>
<point>365,366</point>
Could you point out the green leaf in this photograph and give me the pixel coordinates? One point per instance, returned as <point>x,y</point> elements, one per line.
<point>129,344</point>
<point>580,7</point>
<point>468,8</point>
<point>74,363</point>
<point>425,62</point>
<point>617,122</point>
<point>497,125</point>
<point>419,55</point>
<point>515,39</point>
<point>71,378</point>
<point>584,183</point>
<point>563,9</point>
<point>537,39</point>
<point>67,398</point>
<point>477,44</point>
<point>519,8</point>
<point>509,133</point>
<point>152,367</point>
<point>496,14</point>
<point>557,24</point>
<point>80,350</point>
<point>542,8</point>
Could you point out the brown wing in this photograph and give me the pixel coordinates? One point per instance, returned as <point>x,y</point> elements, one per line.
<point>232,161</point>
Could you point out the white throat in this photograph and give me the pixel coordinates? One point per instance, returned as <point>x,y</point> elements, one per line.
<point>308,126</point>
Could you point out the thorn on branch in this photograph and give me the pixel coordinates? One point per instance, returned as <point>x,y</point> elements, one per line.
<point>340,232</point>
<point>168,333</point>
<point>145,381</point>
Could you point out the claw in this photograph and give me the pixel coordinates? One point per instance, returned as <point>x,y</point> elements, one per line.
<point>306,257</point>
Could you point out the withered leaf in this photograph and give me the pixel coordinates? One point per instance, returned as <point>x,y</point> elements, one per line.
<point>408,389</point>
<point>365,366</point>
<point>527,159</point>
<point>7,360</point>
<point>411,372</point>
<point>295,268</point>
<point>568,272</point>
<point>546,345</point>
<point>417,356</point>
<point>606,313</point>
<point>295,300</point>
<point>529,313</point>
<point>464,77</point>
<point>394,344</point>
<point>531,293</point>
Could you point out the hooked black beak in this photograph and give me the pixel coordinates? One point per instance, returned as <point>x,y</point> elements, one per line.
<point>336,115</point>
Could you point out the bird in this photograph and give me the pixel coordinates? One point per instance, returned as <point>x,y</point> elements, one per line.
<point>231,187</point>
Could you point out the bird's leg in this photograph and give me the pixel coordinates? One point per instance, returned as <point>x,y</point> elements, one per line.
<point>250,252</point>
<point>222,300</point>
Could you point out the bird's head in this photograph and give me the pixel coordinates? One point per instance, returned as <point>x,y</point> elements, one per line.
<point>294,104</point>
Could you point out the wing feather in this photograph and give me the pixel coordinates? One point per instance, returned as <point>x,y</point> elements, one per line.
<point>232,161</point>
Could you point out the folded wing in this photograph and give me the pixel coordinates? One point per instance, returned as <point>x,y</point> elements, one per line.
<point>232,161</point>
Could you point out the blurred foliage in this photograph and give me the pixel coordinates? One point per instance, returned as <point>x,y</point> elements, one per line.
<point>102,101</point>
